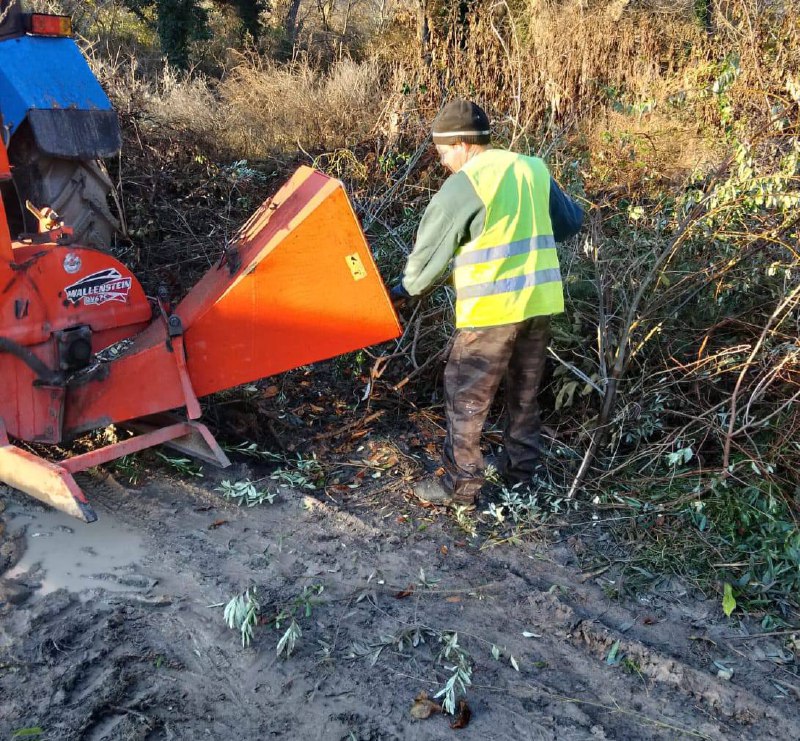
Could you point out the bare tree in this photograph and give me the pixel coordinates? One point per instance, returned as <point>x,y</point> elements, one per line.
<point>424,30</point>
<point>290,22</point>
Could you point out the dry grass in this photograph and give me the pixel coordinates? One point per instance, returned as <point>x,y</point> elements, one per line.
<point>258,110</point>
<point>554,59</point>
<point>641,157</point>
<point>186,104</point>
<point>270,108</point>
<point>551,72</point>
<point>261,109</point>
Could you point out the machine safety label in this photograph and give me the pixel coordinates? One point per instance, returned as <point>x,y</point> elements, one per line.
<point>356,266</point>
<point>99,288</point>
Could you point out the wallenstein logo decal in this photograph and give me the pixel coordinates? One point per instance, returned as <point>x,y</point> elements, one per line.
<point>100,287</point>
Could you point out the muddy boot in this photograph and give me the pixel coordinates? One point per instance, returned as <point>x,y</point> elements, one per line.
<point>531,478</point>
<point>431,491</point>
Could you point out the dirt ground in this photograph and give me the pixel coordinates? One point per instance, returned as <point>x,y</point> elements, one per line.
<point>135,646</point>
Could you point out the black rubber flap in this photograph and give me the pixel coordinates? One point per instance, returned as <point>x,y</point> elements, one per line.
<point>78,135</point>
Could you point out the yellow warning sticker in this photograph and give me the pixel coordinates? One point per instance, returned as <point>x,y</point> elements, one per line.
<point>356,266</point>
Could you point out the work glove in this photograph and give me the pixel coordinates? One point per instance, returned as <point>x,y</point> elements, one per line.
<point>399,295</point>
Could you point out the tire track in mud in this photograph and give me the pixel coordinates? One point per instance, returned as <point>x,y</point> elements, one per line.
<point>81,663</point>
<point>162,665</point>
<point>722,709</point>
<point>598,632</point>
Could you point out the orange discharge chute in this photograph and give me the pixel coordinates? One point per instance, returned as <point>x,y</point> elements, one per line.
<point>298,284</point>
<point>308,289</point>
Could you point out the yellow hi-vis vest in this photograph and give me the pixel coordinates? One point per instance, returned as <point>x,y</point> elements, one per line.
<point>510,272</point>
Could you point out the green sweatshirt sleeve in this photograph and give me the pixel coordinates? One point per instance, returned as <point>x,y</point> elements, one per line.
<point>454,216</point>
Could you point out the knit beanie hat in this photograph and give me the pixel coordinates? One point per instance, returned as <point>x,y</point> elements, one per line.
<point>461,121</point>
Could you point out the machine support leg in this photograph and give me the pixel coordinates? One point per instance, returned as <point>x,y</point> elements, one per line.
<point>192,403</point>
<point>41,479</point>
<point>125,447</point>
<point>53,484</point>
<point>197,442</point>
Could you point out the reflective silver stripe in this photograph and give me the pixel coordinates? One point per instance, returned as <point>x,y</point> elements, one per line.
<point>461,133</point>
<point>520,247</point>
<point>507,285</point>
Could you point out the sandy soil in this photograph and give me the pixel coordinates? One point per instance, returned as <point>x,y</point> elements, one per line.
<point>122,637</point>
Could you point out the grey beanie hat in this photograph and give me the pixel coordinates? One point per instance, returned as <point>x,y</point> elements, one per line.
<point>461,121</point>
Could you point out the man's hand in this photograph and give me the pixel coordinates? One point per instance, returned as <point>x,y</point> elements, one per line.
<point>399,295</point>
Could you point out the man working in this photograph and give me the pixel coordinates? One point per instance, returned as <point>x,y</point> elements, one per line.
<point>498,216</point>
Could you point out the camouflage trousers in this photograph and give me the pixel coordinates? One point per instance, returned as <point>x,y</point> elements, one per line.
<point>478,361</point>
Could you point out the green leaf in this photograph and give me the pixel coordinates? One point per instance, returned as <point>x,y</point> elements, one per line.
<point>27,732</point>
<point>566,394</point>
<point>612,659</point>
<point>728,600</point>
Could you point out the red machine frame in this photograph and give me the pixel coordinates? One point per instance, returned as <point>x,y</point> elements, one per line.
<point>296,285</point>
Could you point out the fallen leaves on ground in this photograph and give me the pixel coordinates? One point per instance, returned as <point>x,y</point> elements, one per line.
<point>424,707</point>
<point>462,716</point>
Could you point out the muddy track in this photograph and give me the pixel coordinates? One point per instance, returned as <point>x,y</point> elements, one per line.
<point>155,661</point>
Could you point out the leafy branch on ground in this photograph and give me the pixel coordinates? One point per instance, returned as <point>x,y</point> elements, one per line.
<point>182,466</point>
<point>252,450</point>
<point>244,612</point>
<point>459,663</point>
<point>245,492</point>
<point>300,473</point>
<point>452,656</point>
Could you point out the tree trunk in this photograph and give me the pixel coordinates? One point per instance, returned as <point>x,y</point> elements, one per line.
<point>423,32</point>
<point>290,23</point>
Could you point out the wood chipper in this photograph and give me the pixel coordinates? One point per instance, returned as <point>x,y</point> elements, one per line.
<point>82,347</point>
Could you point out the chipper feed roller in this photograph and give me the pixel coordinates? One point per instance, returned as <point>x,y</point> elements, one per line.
<point>296,285</point>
